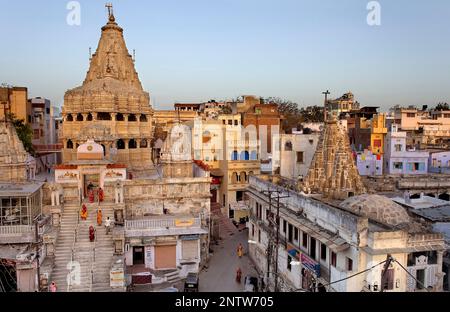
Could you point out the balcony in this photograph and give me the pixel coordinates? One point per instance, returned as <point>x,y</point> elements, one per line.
<point>162,226</point>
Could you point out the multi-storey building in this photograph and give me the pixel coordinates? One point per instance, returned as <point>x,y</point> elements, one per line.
<point>326,243</point>
<point>14,100</point>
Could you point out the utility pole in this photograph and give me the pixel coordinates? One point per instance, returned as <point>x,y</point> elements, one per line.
<point>274,236</point>
<point>385,269</point>
<point>325,113</point>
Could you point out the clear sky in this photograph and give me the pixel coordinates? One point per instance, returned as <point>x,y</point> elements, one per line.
<point>196,50</point>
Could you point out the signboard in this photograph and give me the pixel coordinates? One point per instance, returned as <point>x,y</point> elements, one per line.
<point>190,237</point>
<point>184,223</point>
<point>117,278</point>
<point>310,264</point>
<point>115,174</point>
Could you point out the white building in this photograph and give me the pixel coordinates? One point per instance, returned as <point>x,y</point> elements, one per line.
<point>293,153</point>
<point>400,160</point>
<point>321,243</point>
<point>369,164</point>
<point>439,162</point>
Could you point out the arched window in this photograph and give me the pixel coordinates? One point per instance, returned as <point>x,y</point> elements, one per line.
<point>120,144</point>
<point>235,155</point>
<point>243,176</point>
<point>69,144</point>
<point>69,118</point>
<point>234,177</point>
<point>132,144</point>
<point>89,117</point>
<point>288,146</point>
<point>143,143</point>
<point>143,118</point>
<point>103,116</point>
<point>132,117</point>
<point>79,117</point>
<point>119,117</point>
<point>245,155</point>
<point>253,155</point>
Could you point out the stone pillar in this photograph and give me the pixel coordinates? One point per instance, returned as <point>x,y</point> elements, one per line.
<point>440,275</point>
<point>85,116</point>
<point>127,142</point>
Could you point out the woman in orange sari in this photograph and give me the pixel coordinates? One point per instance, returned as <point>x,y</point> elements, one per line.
<point>84,213</point>
<point>99,216</point>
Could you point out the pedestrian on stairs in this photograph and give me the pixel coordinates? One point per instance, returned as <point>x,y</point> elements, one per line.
<point>91,233</point>
<point>108,225</point>
<point>84,212</point>
<point>99,217</point>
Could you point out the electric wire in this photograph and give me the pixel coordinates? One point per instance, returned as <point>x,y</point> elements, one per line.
<point>353,275</point>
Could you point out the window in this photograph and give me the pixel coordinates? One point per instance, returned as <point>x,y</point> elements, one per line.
<point>398,147</point>
<point>296,234</point>
<point>289,260</point>
<point>398,165</point>
<point>312,251</point>
<point>132,144</point>
<point>284,226</point>
<point>333,259</point>
<point>79,117</point>
<point>47,110</point>
<point>223,121</point>
<point>236,122</point>
<point>230,122</point>
<point>103,116</point>
<point>36,134</point>
<point>305,240</point>
<point>259,236</point>
<point>143,118</point>
<point>300,157</point>
<point>323,252</point>
<point>253,230</point>
<point>290,232</point>
<point>349,264</point>
<point>288,146</point>
<point>411,115</point>
<point>389,279</point>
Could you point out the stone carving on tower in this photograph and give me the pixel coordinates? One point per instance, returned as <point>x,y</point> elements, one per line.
<point>176,155</point>
<point>110,107</point>
<point>13,157</point>
<point>333,172</point>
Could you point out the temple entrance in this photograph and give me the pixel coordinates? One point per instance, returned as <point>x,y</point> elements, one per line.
<point>90,181</point>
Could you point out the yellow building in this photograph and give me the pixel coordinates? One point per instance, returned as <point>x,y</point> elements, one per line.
<point>15,101</point>
<point>378,134</point>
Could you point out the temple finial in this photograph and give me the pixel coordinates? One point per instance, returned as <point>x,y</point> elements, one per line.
<point>109,6</point>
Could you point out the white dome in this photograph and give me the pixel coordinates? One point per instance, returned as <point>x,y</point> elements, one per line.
<point>90,151</point>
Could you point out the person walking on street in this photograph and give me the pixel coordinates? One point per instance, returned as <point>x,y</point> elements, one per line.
<point>240,250</point>
<point>238,275</point>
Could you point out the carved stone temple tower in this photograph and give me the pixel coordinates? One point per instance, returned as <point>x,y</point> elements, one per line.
<point>13,157</point>
<point>111,106</point>
<point>333,172</point>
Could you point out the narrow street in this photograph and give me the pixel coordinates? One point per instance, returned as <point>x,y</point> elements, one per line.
<point>220,276</point>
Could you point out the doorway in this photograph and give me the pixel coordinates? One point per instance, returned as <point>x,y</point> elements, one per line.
<point>138,255</point>
<point>90,179</point>
<point>420,276</point>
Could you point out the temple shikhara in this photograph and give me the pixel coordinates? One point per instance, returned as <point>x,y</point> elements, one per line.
<point>111,106</point>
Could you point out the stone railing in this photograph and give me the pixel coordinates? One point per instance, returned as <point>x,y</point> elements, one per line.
<point>148,224</point>
<point>13,230</point>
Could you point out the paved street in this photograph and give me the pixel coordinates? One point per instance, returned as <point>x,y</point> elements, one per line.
<point>221,273</point>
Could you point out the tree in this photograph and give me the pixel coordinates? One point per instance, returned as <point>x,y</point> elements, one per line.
<point>24,132</point>
<point>442,106</point>
<point>293,116</point>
